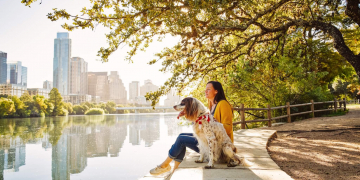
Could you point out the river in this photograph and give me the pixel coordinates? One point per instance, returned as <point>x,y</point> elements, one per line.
<point>86,147</point>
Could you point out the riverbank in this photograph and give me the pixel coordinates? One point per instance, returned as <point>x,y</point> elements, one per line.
<point>319,148</point>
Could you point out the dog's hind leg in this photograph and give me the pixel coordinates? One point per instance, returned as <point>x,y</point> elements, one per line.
<point>229,152</point>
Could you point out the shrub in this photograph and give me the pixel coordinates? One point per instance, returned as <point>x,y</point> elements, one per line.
<point>63,112</point>
<point>94,111</point>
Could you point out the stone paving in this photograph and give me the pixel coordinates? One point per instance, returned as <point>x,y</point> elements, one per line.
<point>251,144</point>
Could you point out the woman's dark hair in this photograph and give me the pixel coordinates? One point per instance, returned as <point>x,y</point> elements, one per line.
<point>221,94</point>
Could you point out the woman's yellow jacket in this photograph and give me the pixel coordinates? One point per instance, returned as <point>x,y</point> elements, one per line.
<point>224,114</point>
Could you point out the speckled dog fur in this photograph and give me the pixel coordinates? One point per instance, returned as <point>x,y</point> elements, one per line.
<point>214,144</point>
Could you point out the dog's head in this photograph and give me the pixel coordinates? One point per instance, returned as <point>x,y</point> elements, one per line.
<point>192,108</point>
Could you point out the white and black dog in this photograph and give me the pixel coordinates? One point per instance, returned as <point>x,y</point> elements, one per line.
<point>214,144</point>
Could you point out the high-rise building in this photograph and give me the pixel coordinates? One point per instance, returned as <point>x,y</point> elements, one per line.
<point>48,84</point>
<point>3,67</point>
<point>98,85</point>
<point>172,98</point>
<point>148,87</point>
<point>16,73</point>
<point>61,66</point>
<point>117,91</point>
<point>78,76</point>
<point>134,88</point>
<point>24,76</point>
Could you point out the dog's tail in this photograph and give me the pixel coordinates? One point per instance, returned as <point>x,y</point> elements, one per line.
<point>245,162</point>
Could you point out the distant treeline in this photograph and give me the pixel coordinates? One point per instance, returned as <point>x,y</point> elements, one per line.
<point>39,106</point>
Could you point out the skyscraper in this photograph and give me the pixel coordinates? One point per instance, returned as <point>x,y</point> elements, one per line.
<point>61,66</point>
<point>78,76</point>
<point>48,84</point>
<point>98,85</point>
<point>148,87</point>
<point>3,67</point>
<point>172,98</point>
<point>117,92</point>
<point>16,73</point>
<point>134,88</point>
<point>24,76</point>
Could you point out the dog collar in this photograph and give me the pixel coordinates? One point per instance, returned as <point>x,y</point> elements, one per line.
<point>206,116</point>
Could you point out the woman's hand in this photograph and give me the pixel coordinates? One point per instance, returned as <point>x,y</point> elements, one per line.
<point>182,113</point>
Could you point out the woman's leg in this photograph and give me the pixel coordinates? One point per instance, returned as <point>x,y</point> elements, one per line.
<point>178,149</point>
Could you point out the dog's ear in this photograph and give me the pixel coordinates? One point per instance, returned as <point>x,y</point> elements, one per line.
<point>191,108</point>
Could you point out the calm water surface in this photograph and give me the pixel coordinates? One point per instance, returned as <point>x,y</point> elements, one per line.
<point>85,147</point>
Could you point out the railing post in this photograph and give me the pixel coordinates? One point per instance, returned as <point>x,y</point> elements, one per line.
<point>269,115</point>
<point>242,114</point>
<point>312,108</point>
<point>340,104</point>
<point>288,111</point>
<point>344,104</point>
<point>335,105</point>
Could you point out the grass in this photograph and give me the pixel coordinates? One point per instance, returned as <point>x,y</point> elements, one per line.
<point>339,112</point>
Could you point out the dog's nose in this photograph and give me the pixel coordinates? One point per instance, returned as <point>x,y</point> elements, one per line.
<point>174,107</point>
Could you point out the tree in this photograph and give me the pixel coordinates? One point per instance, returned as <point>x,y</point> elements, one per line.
<point>39,108</point>
<point>217,34</point>
<point>50,107</point>
<point>20,107</point>
<point>56,100</point>
<point>69,108</point>
<point>25,97</point>
<point>110,107</point>
<point>102,106</point>
<point>79,110</point>
<point>6,107</point>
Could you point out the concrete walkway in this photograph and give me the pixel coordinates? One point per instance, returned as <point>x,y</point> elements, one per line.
<point>251,144</point>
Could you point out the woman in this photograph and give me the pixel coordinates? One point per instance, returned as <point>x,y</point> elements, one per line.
<point>219,107</point>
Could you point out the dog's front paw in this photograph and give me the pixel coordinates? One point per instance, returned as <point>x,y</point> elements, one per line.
<point>209,166</point>
<point>199,161</point>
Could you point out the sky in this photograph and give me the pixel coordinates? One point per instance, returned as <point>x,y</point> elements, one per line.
<point>27,35</point>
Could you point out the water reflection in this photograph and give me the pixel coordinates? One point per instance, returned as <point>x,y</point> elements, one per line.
<point>73,140</point>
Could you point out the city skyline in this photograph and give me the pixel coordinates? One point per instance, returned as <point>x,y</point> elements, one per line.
<point>71,77</point>
<point>102,85</point>
<point>36,47</point>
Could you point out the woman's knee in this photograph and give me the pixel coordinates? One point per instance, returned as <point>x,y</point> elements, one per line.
<point>179,139</point>
<point>185,134</point>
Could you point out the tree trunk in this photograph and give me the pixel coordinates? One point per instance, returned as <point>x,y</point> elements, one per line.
<point>339,43</point>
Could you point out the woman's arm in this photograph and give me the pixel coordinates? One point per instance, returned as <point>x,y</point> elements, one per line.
<point>224,114</point>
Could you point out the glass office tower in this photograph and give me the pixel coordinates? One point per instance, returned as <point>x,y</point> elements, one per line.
<point>3,67</point>
<point>61,67</point>
<point>24,76</point>
<point>16,73</point>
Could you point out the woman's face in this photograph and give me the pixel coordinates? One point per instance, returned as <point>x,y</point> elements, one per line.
<point>210,92</point>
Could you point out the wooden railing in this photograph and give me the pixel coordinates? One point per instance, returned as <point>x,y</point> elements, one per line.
<point>242,110</point>
<point>353,101</point>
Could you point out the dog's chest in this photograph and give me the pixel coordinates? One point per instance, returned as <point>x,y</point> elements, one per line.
<point>201,126</point>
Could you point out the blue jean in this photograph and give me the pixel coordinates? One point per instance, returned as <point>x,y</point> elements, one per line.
<point>178,149</point>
